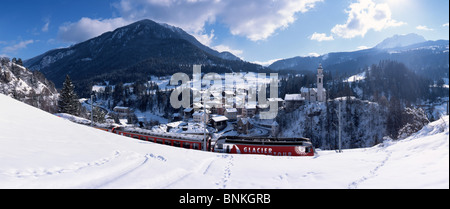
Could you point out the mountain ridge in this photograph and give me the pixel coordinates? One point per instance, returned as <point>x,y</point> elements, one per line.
<point>420,57</point>
<point>397,41</point>
<point>148,47</point>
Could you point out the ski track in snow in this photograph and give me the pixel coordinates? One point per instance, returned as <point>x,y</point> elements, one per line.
<point>372,173</point>
<point>39,172</point>
<point>133,162</point>
<point>141,162</point>
<point>183,175</point>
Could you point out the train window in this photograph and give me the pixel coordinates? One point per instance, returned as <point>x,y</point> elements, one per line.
<point>186,145</point>
<point>168,142</point>
<point>176,144</point>
<point>195,146</point>
<point>159,141</point>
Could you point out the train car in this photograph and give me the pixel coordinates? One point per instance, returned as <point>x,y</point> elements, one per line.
<point>265,146</point>
<point>172,139</point>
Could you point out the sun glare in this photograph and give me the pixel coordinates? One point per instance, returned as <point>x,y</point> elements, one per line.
<point>397,3</point>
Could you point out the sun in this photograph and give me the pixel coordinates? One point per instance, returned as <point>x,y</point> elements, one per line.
<point>396,3</point>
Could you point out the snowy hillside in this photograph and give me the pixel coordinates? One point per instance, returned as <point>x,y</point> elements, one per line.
<point>40,150</point>
<point>30,87</point>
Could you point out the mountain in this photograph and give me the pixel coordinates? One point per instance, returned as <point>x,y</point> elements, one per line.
<point>131,53</point>
<point>428,58</point>
<point>401,41</point>
<point>24,85</point>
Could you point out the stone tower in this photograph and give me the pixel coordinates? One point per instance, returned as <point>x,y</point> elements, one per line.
<point>320,90</point>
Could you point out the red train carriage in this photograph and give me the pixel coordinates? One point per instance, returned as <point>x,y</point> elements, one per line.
<point>265,146</point>
<point>171,139</point>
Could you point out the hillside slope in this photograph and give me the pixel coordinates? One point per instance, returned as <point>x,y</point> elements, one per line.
<point>27,86</point>
<point>40,150</point>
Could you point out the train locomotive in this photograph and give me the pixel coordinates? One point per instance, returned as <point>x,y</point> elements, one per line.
<point>265,146</point>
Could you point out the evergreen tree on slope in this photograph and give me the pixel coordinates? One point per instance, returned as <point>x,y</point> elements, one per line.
<point>68,101</point>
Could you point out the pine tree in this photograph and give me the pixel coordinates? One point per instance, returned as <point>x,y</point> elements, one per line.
<point>99,115</point>
<point>19,62</point>
<point>68,102</point>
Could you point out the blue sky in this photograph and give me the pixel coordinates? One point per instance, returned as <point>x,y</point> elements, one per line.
<point>256,30</point>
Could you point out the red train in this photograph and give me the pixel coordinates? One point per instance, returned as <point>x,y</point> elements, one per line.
<point>230,144</point>
<point>176,140</point>
<point>265,146</point>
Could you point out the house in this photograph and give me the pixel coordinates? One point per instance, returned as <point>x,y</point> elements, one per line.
<point>279,101</point>
<point>231,114</point>
<point>200,117</point>
<point>293,101</point>
<point>176,117</point>
<point>219,122</point>
<point>187,113</point>
<point>244,125</point>
<point>123,112</point>
<point>249,110</point>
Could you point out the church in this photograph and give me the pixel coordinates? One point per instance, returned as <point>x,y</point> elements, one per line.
<point>318,94</point>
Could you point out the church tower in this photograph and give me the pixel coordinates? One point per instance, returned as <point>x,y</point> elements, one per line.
<point>320,90</point>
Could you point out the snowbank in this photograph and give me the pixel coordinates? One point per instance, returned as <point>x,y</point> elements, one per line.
<point>40,150</point>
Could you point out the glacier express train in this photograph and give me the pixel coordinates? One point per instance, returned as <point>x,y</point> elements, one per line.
<point>227,144</point>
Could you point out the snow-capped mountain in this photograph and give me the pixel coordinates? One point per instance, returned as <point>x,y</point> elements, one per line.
<point>130,53</point>
<point>427,58</point>
<point>30,87</point>
<point>401,41</point>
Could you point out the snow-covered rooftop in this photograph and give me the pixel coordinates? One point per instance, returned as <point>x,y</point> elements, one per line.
<point>294,97</point>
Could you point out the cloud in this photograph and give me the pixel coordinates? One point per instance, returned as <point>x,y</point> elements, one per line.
<point>424,27</point>
<point>16,47</point>
<point>255,19</point>
<point>45,27</point>
<point>445,25</point>
<point>204,38</point>
<point>321,37</point>
<point>365,15</point>
<point>259,19</point>
<point>87,28</point>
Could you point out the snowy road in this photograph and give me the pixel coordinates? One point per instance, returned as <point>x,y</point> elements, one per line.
<point>39,150</point>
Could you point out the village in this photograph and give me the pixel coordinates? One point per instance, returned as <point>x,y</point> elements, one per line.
<point>240,117</point>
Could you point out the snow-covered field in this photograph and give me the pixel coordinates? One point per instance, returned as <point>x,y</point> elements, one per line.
<point>40,150</point>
